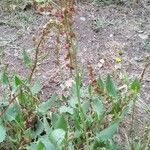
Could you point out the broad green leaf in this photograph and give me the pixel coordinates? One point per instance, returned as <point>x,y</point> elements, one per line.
<point>40,146</point>
<point>111,89</point>
<point>57,136</point>
<point>54,119</point>
<point>26,58</point>
<point>62,123</point>
<point>36,87</point>
<point>2,133</point>
<point>135,86</point>
<point>98,106</point>
<point>108,132</point>
<point>4,78</point>
<point>85,107</point>
<point>77,134</point>
<point>11,113</point>
<point>48,145</point>
<point>72,102</point>
<point>65,109</point>
<point>101,83</point>
<point>45,106</point>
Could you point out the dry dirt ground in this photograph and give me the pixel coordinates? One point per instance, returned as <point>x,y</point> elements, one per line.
<point>105,35</point>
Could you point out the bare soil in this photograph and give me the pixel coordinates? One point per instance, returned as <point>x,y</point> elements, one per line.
<point>121,32</point>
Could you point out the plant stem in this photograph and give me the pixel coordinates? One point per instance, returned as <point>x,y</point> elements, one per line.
<point>81,114</point>
<point>133,122</point>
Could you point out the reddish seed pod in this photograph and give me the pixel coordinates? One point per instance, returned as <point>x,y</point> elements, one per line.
<point>49,8</point>
<point>67,46</point>
<point>40,9</point>
<point>66,11</point>
<point>59,14</point>
<point>71,9</point>
<point>67,56</point>
<point>70,22</point>
<point>71,34</point>
<point>62,33</point>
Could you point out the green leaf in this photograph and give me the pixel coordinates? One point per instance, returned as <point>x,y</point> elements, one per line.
<point>2,133</point>
<point>11,113</point>
<point>54,119</point>
<point>98,106</point>
<point>46,125</point>
<point>85,107</point>
<point>136,86</point>
<point>33,146</point>
<point>57,136</point>
<point>45,106</point>
<point>22,97</point>
<point>108,132</point>
<point>17,81</point>
<point>76,119</point>
<point>72,102</point>
<point>26,58</point>
<point>65,109</point>
<point>40,146</point>
<point>101,83</point>
<point>111,89</point>
<point>48,145</point>
<point>36,87</point>
<point>4,78</point>
<point>61,123</point>
<point>39,129</point>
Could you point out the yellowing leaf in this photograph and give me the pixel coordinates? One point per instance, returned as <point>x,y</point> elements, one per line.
<point>118,60</point>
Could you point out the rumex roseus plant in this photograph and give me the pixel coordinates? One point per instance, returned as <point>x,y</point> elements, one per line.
<point>86,119</point>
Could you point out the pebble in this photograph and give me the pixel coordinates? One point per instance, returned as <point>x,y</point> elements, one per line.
<point>143,36</point>
<point>82,18</point>
<point>111,35</point>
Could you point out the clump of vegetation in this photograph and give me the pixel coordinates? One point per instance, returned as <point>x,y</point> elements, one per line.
<point>87,118</point>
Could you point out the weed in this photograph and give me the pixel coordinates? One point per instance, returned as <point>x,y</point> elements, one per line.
<point>87,118</point>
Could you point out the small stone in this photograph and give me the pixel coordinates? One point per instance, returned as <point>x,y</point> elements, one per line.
<point>82,19</point>
<point>118,66</point>
<point>102,61</point>
<point>140,31</point>
<point>143,36</point>
<point>111,35</point>
<point>100,65</point>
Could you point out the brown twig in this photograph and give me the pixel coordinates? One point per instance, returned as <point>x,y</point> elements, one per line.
<point>143,72</point>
